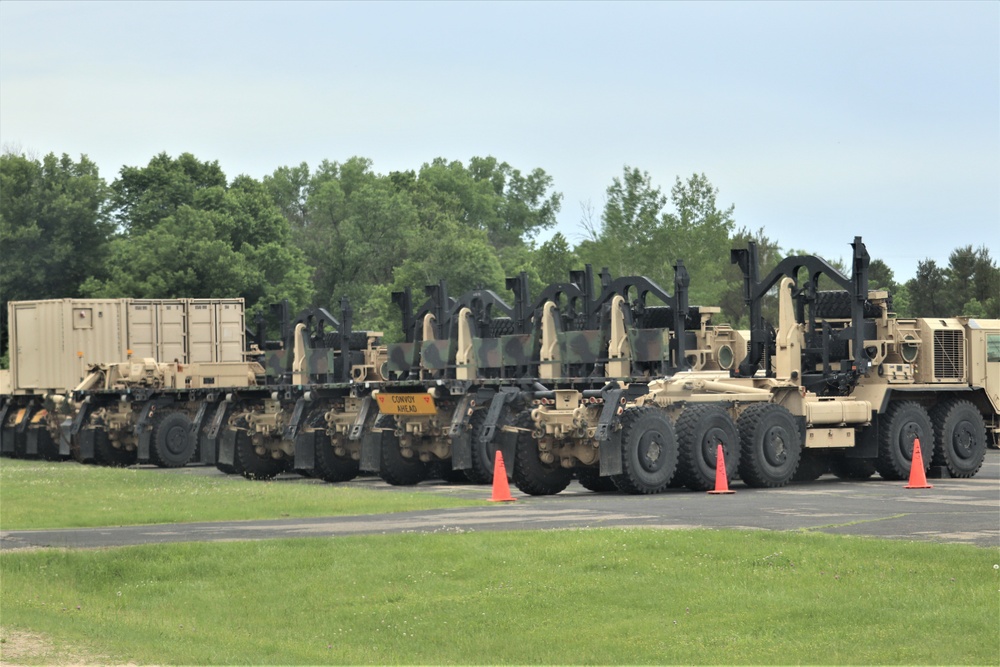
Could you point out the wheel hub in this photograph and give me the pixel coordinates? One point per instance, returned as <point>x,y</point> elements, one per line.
<point>176,440</point>
<point>650,452</point>
<point>710,445</point>
<point>963,440</point>
<point>775,448</point>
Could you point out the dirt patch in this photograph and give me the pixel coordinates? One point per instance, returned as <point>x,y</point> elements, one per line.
<point>30,648</point>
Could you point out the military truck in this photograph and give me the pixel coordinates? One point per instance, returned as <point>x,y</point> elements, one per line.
<point>840,384</point>
<point>470,365</point>
<point>54,344</point>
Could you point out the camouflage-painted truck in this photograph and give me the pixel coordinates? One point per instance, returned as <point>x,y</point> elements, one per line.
<point>840,384</point>
<point>470,366</point>
<point>636,398</point>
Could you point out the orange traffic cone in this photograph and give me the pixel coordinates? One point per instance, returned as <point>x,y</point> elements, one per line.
<point>918,480</point>
<point>721,480</point>
<point>501,489</point>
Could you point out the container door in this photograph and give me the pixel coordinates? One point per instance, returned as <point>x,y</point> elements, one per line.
<point>201,331</point>
<point>27,357</point>
<point>172,332</point>
<point>231,330</point>
<point>142,329</point>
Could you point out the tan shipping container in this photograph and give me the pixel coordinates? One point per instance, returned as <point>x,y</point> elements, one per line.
<point>157,329</point>
<point>216,330</point>
<point>53,341</point>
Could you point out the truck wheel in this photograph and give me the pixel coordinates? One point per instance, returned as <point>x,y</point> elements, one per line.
<point>395,468</point>
<point>846,468</point>
<point>812,466</point>
<point>531,475</point>
<point>959,437</point>
<point>106,454</point>
<point>590,479</point>
<point>649,451</point>
<point>770,446</point>
<point>252,465</point>
<point>903,423</point>
<point>170,444</point>
<point>484,454</point>
<point>332,468</point>
<point>701,428</point>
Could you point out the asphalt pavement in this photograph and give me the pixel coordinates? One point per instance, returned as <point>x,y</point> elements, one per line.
<point>955,510</point>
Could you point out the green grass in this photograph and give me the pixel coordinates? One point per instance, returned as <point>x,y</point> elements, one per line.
<point>556,597</point>
<point>38,494</point>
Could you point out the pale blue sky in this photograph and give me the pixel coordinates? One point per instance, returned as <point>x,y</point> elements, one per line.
<point>819,121</point>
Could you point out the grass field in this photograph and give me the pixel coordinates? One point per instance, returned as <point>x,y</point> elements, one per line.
<point>584,597</point>
<point>609,596</point>
<point>40,494</point>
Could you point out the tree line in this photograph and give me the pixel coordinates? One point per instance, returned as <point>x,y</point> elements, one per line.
<point>178,227</point>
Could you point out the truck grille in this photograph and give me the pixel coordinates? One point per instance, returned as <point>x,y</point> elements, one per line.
<point>949,355</point>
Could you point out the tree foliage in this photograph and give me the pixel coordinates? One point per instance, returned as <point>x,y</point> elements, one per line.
<point>54,227</point>
<point>177,227</point>
<point>185,232</point>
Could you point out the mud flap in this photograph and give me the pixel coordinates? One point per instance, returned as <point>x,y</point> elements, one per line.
<point>305,450</point>
<point>6,434</point>
<point>611,454</point>
<point>86,438</point>
<point>506,442</point>
<point>65,437</point>
<point>145,434</point>
<point>210,441</point>
<point>227,447</point>
<point>461,451</point>
<point>461,436</point>
<point>31,441</point>
<point>194,435</point>
<point>371,451</point>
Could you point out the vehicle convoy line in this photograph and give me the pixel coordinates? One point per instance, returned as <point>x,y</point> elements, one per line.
<point>956,510</point>
<point>612,383</point>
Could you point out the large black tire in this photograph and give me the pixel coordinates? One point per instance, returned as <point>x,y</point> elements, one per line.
<point>649,451</point>
<point>531,475</point>
<point>502,326</point>
<point>701,428</point>
<point>332,468</point>
<point>252,465</point>
<point>106,454</point>
<point>902,424</point>
<point>170,444</point>
<point>395,468</point>
<point>855,469</point>
<point>959,437</point>
<point>770,446</point>
<point>484,454</point>
<point>590,479</point>
<point>813,464</point>
<point>836,304</point>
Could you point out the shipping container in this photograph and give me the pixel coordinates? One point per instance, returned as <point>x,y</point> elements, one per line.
<point>52,342</point>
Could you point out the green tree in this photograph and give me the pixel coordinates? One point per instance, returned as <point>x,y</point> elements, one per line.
<point>699,232</point>
<point>143,196</point>
<point>928,290</point>
<point>186,233</point>
<point>54,227</point>
<point>973,278</point>
<point>554,259</point>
